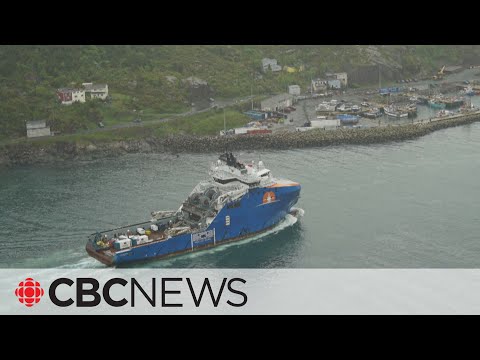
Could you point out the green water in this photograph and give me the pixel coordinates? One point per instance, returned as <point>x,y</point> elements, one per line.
<point>406,204</point>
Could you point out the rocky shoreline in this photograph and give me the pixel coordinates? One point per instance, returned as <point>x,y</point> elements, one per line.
<point>32,153</point>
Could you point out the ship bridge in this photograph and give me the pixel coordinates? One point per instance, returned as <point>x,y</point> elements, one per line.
<point>227,170</point>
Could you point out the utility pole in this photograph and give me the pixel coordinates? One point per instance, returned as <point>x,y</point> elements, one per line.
<point>224,122</point>
<point>251,92</point>
<point>379,77</point>
<point>251,86</point>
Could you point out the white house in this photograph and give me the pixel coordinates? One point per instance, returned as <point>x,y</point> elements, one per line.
<point>319,84</point>
<point>342,77</point>
<point>270,64</point>
<point>334,84</point>
<point>294,90</point>
<point>96,91</point>
<point>68,96</point>
<point>37,128</point>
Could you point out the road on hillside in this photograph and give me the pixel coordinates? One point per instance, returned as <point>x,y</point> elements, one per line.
<point>219,104</point>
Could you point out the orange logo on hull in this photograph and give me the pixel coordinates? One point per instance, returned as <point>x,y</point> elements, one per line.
<point>268,197</point>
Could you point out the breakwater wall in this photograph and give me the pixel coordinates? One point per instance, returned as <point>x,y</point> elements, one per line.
<point>34,152</point>
<point>317,138</point>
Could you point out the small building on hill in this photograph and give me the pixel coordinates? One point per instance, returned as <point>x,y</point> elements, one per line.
<point>68,96</point>
<point>319,85</point>
<point>96,91</point>
<point>37,128</point>
<point>341,77</point>
<point>294,90</point>
<point>270,64</point>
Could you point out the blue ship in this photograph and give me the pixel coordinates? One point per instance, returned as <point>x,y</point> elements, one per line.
<point>239,200</point>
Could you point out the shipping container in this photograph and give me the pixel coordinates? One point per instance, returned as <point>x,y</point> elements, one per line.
<point>141,231</point>
<point>143,239</point>
<point>122,244</point>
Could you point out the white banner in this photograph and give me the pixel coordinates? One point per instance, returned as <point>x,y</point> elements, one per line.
<point>240,291</point>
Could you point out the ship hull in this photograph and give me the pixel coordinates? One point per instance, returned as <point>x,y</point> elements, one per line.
<point>437,105</point>
<point>256,212</point>
<point>396,115</point>
<point>454,104</point>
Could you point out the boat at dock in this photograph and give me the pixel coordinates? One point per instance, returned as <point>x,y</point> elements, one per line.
<point>326,107</point>
<point>436,103</point>
<point>344,108</point>
<point>468,91</point>
<point>239,200</point>
<point>395,112</point>
<point>422,100</point>
<point>411,110</point>
<point>373,113</point>
<point>451,103</point>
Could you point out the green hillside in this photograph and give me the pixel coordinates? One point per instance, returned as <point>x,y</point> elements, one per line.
<point>150,78</point>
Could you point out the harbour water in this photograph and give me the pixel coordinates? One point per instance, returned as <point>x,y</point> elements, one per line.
<point>408,204</point>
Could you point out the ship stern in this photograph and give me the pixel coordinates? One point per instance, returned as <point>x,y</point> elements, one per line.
<point>100,255</point>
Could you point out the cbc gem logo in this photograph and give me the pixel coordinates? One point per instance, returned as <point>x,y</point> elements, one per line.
<point>29,292</point>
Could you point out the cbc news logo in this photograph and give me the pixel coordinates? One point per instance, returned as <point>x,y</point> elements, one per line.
<point>29,292</point>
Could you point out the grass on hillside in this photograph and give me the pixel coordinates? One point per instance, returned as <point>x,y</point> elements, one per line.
<point>120,111</point>
<point>207,123</point>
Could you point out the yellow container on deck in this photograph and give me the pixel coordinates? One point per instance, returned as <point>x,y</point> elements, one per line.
<point>147,232</point>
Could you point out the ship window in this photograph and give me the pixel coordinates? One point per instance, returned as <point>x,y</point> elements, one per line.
<point>222,181</point>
